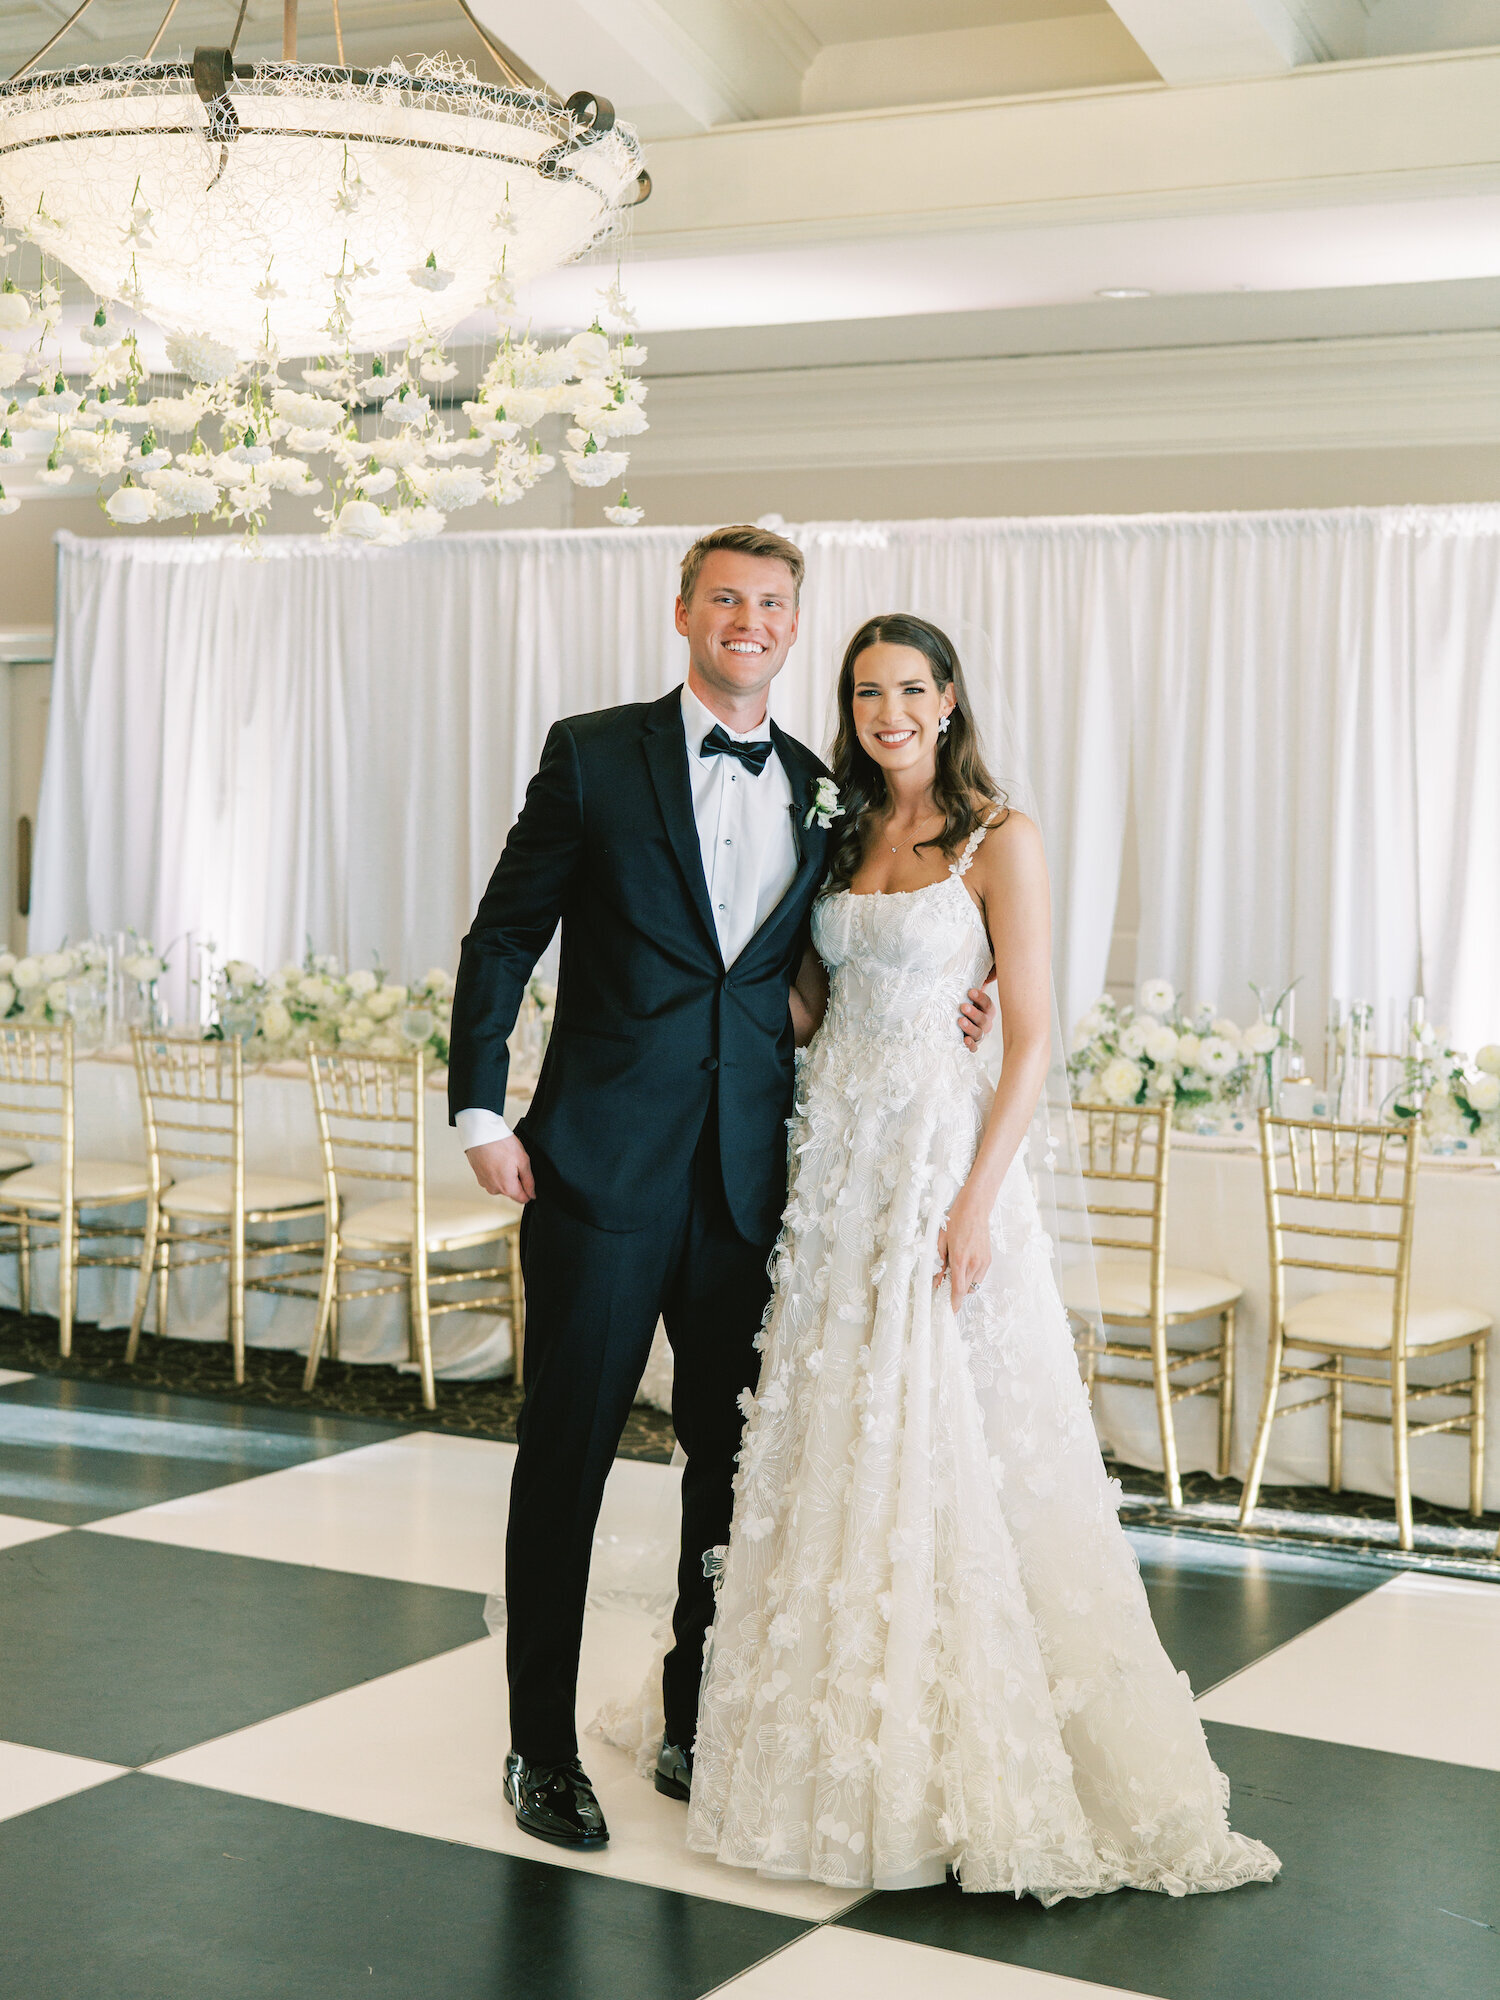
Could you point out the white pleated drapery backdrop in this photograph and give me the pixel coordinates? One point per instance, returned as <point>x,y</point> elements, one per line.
<point>315,742</point>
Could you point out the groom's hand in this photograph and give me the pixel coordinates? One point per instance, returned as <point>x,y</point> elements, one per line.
<point>502,1167</point>
<point>975,1019</point>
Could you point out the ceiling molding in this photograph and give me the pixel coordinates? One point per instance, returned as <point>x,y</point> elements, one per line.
<point>1431,389</point>
<point>1399,127</point>
<point>1199,41</point>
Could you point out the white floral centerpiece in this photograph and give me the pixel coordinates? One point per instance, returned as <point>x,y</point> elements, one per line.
<point>46,988</point>
<point>1457,1100</point>
<point>1158,1052</point>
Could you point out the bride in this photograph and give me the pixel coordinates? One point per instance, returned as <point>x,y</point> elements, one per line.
<point>932,1649</point>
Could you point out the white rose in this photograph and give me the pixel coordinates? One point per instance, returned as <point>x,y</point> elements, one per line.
<point>356,1028</point>
<point>1488,1058</point>
<point>1261,1037</point>
<point>240,972</point>
<point>438,980</point>
<point>7,997</point>
<point>128,506</point>
<point>1157,996</point>
<point>57,993</point>
<point>1216,1057</point>
<point>362,982</point>
<point>27,973</point>
<point>1133,1039</point>
<point>275,1022</point>
<point>1484,1091</point>
<point>1161,1042</point>
<point>1091,1025</point>
<point>1228,1031</point>
<point>382,1003</point>
<point>1188,1047</point>
<point>55,965</point>
<point>1120,1081</point>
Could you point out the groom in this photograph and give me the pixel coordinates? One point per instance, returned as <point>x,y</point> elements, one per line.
<point>676,843</point>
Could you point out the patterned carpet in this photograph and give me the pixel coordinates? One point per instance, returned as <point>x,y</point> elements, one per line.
<point>273,1378</point>
<point>1358,1524</point>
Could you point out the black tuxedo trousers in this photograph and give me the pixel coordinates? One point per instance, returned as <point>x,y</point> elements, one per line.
<point>592,1301</point>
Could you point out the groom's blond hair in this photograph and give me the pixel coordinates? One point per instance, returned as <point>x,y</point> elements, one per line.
<point>743,540</point>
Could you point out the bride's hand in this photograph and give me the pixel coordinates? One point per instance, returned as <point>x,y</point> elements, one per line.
<point>964,1247</point>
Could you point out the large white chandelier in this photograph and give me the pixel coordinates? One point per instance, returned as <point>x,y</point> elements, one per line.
<point>308,238</point>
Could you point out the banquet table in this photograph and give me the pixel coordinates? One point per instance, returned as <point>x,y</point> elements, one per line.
<point>281,1137</point>
<point>1216,1222</point>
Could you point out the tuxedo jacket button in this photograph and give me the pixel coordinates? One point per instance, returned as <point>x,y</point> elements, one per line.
<point>710,1062</point>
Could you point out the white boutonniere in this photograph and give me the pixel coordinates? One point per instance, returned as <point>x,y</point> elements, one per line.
<point>825,807</point>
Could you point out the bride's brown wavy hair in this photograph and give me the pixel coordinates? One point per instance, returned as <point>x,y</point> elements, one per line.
<point>962,788</point>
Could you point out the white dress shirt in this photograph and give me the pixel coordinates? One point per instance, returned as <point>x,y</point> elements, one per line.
<point>747,842</point>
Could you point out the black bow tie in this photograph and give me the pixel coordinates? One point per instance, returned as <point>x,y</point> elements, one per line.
<point>719,743</point>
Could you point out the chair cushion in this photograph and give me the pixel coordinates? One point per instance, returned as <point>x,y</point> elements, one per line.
<point>1125,1289</point>
<point>93,1181</point>
<point>1363,1319</point>
<point>213,1194</point>
<point>12,1157</point>
<point>450,1219</point>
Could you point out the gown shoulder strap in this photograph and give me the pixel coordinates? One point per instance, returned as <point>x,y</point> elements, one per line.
<point>962,865</point>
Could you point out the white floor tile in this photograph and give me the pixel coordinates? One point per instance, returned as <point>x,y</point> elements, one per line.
<point>8,1375</point>
<point>421,1751</point>
<point>839,1964</point>
<point>14,1530</point>
<point>30,1778</point>
<point>428,1508</point>
<point>1410,1668</point>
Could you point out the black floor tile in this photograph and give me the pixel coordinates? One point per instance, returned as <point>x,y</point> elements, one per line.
<point>1389,1890</point>
<point>73,1451</point>
<point>144,1889</point>
<point>1218,1607</point>
<point>128,1650</point>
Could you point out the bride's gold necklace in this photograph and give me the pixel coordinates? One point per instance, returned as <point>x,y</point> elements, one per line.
<point>913,844</point>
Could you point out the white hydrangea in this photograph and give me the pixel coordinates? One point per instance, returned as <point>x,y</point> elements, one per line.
<point>27,975</point>
<point>1161,1042</point>
<point>1133,1038</point>
<point>450,487</point>
<point>201,359</point>
<point>182,492</point>
<point>1188,1047</point>
<point>275,1021</point>
<point>1484,1091</point>
<point>362,982</point>
<point>1120,1081</point>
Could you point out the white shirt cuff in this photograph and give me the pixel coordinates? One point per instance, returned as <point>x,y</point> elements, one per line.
<point>480,1128</point>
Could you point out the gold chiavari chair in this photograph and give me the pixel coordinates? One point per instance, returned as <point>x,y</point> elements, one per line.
<point>1352,1189</point>
<point>1125,1156</point>
<point>41,1204</point>
<point>371,1122</point>
<point>193,1108</point>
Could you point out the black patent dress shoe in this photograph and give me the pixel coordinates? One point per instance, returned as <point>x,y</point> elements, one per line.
<point>674,1772</point>
<point>555,1802</point>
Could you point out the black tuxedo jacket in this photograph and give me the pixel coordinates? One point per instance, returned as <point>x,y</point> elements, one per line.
<point>650,1023</point>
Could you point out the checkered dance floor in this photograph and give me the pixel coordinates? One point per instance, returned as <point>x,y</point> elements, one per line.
<point>251,1731</point>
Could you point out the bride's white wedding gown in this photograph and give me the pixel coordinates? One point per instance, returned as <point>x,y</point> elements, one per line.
<point>932,1648</point>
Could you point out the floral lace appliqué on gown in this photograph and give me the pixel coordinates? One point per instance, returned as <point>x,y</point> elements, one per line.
<point>932,1647</point>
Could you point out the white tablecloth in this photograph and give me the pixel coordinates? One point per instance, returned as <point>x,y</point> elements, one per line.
<point>1216,1222</point>
<point>280,1137</point>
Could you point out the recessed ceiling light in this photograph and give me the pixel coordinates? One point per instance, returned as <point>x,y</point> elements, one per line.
<point>1125,292</point>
